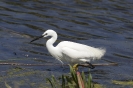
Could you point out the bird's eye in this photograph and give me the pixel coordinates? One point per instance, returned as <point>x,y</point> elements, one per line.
<point>46,33</point>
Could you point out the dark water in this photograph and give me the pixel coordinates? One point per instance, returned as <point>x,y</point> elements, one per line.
<point>98,23</point>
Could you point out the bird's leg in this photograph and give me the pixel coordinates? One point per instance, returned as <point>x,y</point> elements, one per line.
<point>75,67</point>
<point>91,66</point>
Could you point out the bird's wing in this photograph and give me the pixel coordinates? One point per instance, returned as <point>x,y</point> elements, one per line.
<point>76,46</point>
<point>75,54</point>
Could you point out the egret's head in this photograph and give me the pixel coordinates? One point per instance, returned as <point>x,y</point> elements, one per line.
<point>47,33</point>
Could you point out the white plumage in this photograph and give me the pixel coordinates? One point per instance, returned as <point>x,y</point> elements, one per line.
<point>71,52</point>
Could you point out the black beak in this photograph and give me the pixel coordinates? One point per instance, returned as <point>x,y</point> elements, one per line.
<point>36,38</point>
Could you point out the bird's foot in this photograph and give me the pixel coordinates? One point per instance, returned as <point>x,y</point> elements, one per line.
<point>90,65</point>
<point>75,67</point>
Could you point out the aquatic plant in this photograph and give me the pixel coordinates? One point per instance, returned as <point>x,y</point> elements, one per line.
<point>75,80</point>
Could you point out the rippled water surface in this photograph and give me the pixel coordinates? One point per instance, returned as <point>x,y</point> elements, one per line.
<point>98,23</point>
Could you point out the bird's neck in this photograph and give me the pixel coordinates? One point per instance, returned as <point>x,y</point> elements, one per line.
<point>50,42</point>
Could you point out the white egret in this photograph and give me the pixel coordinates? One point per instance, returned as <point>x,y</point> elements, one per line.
<point>71,52</point>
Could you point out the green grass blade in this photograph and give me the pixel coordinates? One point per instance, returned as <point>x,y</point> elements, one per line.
<point>84,79</point>
<point>73,74</point>
<point>7,86</point>
<point>89,80</point>
<point>63,81</point>
<point>55,83</point>
<point>50,82</point>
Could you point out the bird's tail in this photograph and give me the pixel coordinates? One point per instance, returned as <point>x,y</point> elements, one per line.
<point>102,51</point>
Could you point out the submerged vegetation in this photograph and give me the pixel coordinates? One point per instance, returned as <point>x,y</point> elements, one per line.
<point>123,83</point>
